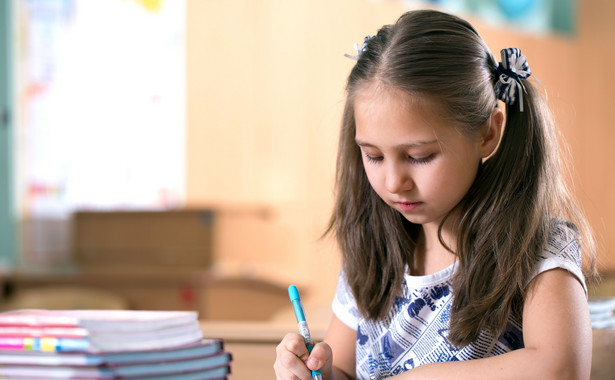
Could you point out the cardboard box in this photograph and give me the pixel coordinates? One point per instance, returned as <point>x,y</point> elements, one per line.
<point>214,298</point>
<point>175,238</point>
<point>143,289</point>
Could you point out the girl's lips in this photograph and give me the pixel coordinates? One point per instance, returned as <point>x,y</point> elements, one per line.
<point>408,206</point>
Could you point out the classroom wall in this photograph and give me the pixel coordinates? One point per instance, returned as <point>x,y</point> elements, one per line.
<point>265,90</point>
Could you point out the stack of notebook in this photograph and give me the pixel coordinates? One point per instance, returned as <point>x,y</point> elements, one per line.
<point>602,312</point>
<point>108,344</point>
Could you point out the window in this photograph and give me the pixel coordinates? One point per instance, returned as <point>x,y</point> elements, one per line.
<point>101,121</point>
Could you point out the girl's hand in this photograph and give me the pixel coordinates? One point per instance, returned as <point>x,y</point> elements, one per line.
<point>293,360</point>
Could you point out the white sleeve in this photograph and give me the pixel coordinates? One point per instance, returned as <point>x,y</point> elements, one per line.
<point>562,250</point>
<point>344,305</point>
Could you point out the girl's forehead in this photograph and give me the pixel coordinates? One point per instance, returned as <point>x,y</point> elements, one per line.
<point>382,111</point>
<point>375,93</point>
<point>386,114</point>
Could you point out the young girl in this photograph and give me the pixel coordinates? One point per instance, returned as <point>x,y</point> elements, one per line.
<point>460,256</point>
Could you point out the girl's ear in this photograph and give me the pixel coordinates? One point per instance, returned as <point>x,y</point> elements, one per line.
<point>491,137</point>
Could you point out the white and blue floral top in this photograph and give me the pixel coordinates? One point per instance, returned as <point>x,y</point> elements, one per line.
<point>414,333</point>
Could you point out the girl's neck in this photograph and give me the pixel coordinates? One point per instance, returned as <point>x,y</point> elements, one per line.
<point>430,255</point>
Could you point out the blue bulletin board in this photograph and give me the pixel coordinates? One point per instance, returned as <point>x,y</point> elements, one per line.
<point>526,16</point>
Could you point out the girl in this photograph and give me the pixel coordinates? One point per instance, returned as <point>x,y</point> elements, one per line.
<point>456,231</point>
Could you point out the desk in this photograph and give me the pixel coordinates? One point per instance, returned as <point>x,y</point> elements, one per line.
<point>253,344</point>
<point>603,354</point>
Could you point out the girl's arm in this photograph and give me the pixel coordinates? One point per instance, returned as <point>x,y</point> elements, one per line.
<point>556,332</point>
<point>294,362</point>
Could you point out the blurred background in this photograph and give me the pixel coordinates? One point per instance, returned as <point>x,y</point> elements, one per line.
<point>181,154</point>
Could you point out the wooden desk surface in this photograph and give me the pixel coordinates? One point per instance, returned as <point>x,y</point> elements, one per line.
<point>252,344</point>
<point>603,365</point>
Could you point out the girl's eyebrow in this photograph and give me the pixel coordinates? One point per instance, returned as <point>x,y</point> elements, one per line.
<point>410,145</point>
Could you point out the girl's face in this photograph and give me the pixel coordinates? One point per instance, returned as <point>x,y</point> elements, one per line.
<point>416,162</point>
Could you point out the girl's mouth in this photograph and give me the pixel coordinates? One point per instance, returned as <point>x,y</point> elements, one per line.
<point>408,206</point>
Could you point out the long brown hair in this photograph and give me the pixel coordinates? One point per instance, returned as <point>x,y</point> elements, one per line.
<point>506,215</point>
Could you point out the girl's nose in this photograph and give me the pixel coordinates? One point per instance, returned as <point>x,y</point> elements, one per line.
<point>398,179</point>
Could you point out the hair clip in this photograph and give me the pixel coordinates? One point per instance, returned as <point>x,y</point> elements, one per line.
<point>513,68</point>
<point>359,49</point>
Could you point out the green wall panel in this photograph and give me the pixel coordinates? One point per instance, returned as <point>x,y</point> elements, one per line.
<point>8,254</point>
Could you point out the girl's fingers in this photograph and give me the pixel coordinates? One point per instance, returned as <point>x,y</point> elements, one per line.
<point>286,374</point>
<point>321,357</point>
<point>291,354</point>
<point>294,343</point>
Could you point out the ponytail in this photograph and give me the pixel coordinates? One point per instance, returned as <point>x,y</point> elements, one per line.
<point>507,216</point>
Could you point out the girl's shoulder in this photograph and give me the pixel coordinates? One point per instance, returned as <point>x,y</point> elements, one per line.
<point>562,249</point>
<point>344,305</point>
<point>562,241</point>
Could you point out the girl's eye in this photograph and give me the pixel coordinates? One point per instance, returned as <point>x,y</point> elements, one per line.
<point>421,160</point>
<point>371,158</point>
<point>414,160</point>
